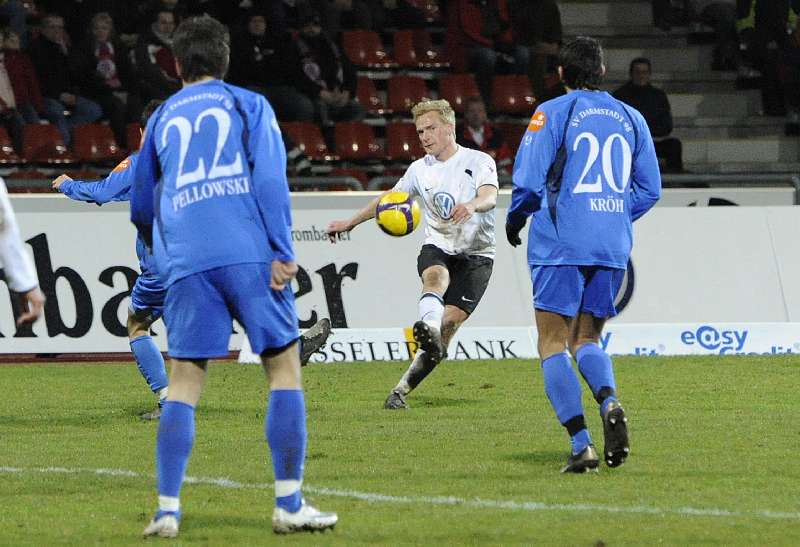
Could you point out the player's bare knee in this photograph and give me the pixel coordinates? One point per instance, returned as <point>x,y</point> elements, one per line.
<point>435,278</point>
<point>282,367</point>
<point>136,326</point>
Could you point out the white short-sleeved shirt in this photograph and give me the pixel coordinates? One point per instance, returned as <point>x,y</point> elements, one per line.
<point>444,184</point>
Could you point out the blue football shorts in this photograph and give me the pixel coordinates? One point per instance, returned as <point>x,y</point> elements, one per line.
<point>147,298</point>
<point>200,308</point>
<point>567,290</point>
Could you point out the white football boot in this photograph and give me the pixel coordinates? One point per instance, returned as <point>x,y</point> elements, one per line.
<point>306,519</point>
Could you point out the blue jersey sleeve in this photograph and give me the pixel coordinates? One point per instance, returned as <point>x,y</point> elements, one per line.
<point>268,160</point>
<point>145,178</point>
<point>115,187</point>
<point>533,160</point>
<point>645,174</point>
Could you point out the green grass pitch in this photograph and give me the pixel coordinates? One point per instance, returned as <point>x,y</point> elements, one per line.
<point>475,461</point>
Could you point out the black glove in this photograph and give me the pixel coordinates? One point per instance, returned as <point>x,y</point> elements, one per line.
<point>512,234</point>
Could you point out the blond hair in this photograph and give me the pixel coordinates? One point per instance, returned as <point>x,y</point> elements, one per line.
<point>441,107</point>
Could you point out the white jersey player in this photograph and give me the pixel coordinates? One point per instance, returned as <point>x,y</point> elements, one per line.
<point>17,266</point>
<point>443,184</point>
<point>458,189</point>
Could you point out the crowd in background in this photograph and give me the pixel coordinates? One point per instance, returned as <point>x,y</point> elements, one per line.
<point>79,61</point>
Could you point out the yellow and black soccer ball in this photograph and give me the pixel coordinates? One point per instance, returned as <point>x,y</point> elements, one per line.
<point>397,214</point>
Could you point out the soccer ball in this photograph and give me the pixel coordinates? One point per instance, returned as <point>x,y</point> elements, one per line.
<point>397,214</point>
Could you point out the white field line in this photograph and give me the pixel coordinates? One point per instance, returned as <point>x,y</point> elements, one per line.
<point>436,500</point>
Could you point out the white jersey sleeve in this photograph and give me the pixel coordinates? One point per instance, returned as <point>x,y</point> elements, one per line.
<point>408,182</point>
<point>17,265</point>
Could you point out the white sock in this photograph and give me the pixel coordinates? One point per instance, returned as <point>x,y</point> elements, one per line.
<point>168,503</point>
<point>403,387</point>
<point>431,309</point>
<point>162,394</point>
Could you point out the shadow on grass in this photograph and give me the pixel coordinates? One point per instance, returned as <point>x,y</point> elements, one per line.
<point>197,523</point>
<point>436,402</point>
<point>544,457</point>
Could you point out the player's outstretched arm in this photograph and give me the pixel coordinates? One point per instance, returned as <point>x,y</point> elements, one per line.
<point>115,187</point>
<point>486,200</point>
<point>363,215</point>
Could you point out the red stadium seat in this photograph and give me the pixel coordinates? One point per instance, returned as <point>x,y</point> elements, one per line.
<point>512,94</point>
<point>308,137</point>
<point>43,143</point>
<point>405,51</point>
<point>133,135</point>
<point>356,141</point>
<point>368,97</point>
<point>365,49</point>
<point>402,142</point>
<point>94,142</point>
<point>457,88</point>
<point>406,91</point>
<point>413,48</point>
<point>7,152</point>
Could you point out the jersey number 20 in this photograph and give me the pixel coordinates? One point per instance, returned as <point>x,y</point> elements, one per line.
<point>606,163</point>
<point>184,127</point>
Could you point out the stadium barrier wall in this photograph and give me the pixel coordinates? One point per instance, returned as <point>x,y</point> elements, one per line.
<point>352,345</point>
<point>690,265</point>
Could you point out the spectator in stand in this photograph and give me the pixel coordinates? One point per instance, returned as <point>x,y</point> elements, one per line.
<point>24,82</point>
<point>653,104</point>
<point>339,15</point>
<point>537,25</point>
<point>396,13</point>
<point>479,40</point>
<point>479,134</point>
<point>721,16</point>
<point>155,63</point>
<point>20,96</point>
<point>177,7</point>
<point>258,63</point>
<point>791,81</point>
<point>16,14</point>
<point>10,118</point>
<point>109,75</point>
<point>765,31</point>
<point>288,14</point>
<point>61,86</point>
<point>324,74</point>
<point>666,13</point>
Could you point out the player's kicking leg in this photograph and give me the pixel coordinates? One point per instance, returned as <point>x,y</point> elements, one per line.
<point>431,349</point>
<point>174,444</point>
<point>423,365</point>
<point>285,429</point>
<point>313,339</point>
<point>596,368</point>
<point>147,356</point>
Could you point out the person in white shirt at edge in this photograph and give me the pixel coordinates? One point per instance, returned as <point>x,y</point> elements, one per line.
<point>458,190</point>
<point>17,265</point>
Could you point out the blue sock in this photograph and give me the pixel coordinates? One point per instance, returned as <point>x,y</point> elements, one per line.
<point>580,440</point>
<point>562,386</point>
<point>150,362</point>
<point>596,367</point>
<point>173,446</point>
<point>285,430</point>
<point>564,391</point>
